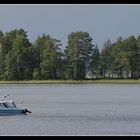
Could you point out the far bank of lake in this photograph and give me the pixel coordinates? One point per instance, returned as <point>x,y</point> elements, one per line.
<point>123,81</point>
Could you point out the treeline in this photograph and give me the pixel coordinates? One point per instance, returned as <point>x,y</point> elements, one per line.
<point>81,59</point>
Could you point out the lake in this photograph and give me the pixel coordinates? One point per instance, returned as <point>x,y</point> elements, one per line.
<point>67,109</point>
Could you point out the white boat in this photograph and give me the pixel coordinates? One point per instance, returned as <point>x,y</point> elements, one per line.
<point>8,107</point>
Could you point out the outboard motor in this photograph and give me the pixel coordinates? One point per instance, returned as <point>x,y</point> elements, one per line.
<point>26,111</point>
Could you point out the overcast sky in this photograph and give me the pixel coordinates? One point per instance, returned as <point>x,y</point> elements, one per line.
<point>102,22</point>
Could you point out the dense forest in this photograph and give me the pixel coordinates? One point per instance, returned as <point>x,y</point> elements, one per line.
<point>81,59</point>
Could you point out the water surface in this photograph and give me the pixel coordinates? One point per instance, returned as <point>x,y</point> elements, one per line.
<point>81,109</point>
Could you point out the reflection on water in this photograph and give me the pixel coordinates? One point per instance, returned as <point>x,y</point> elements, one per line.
<point>90,109</point>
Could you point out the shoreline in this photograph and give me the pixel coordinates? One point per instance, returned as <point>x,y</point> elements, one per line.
<point>130,81</point>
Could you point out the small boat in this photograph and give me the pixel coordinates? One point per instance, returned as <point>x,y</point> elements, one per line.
<point>8,107</point>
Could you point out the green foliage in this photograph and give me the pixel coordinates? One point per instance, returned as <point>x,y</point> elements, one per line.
<point>44,60</point>
<point>78,54</point>
<point>50,57</point>
<point>94,65</point>
<point>106,59</point>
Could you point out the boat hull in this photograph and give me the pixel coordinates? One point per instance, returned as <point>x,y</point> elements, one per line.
<point>13,111</point>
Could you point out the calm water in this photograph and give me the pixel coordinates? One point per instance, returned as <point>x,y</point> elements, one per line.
<point>90,109</point>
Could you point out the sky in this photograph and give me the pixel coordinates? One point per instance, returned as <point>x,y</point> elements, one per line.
<point>102,22</point>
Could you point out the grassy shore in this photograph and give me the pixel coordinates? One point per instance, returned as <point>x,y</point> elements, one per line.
<point>73,82</point>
